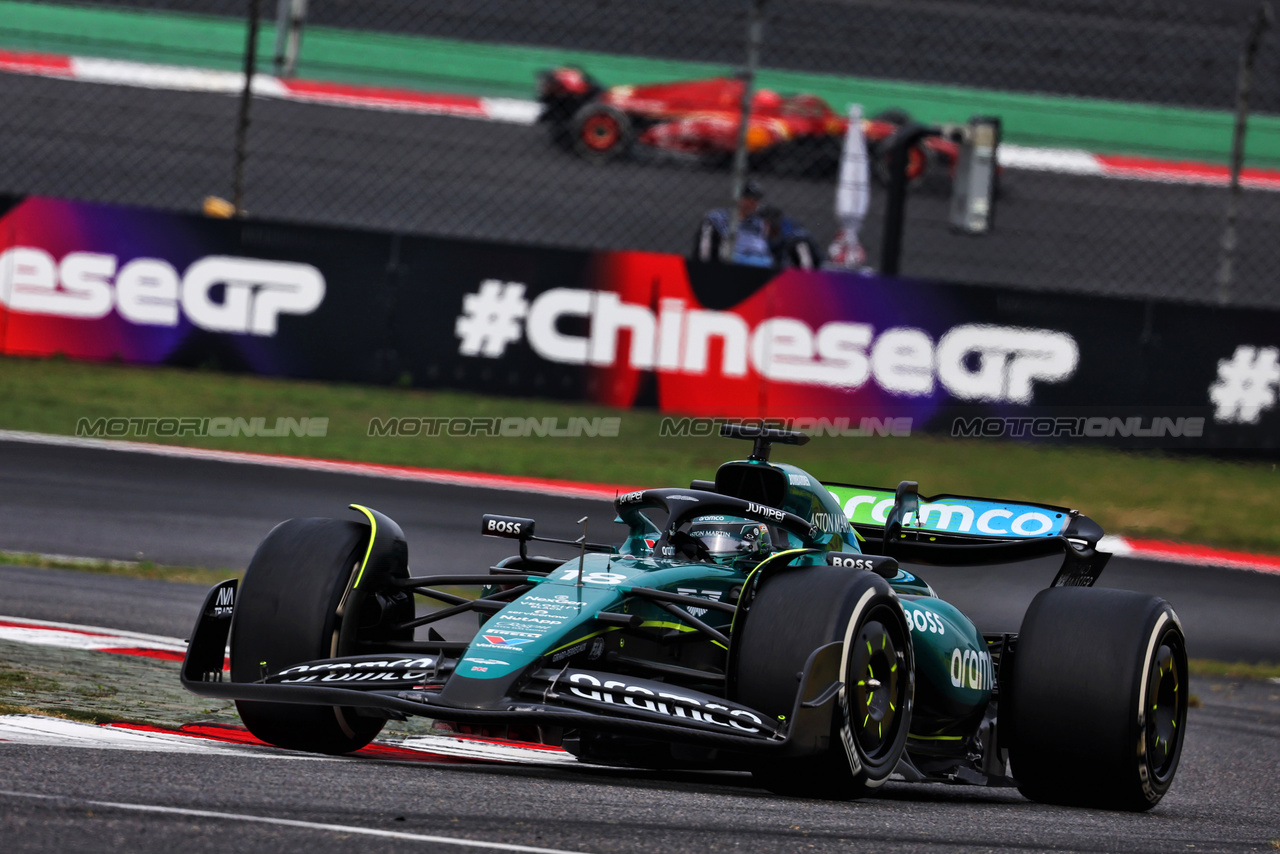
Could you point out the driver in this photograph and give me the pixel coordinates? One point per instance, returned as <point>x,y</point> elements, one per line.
<point>728,538</point>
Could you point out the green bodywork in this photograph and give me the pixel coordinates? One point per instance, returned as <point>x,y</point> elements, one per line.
<point>560,614</point>
<point>558,619</point>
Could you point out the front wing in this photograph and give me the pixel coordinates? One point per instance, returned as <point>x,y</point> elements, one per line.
<point>407,684</point>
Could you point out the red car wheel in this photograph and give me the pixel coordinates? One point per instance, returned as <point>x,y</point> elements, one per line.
<point>602,132</point>
<point>917,163</point>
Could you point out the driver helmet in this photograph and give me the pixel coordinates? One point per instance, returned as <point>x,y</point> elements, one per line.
<point>728,538</point>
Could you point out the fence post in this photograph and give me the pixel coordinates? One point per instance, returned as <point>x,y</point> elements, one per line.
<point>242,120</point>
<point>1244,80</point>
<point>755,34</point>
<point>290,15</point>
<point>895,210</point>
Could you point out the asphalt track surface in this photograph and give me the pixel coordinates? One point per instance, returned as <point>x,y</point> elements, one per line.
<point>114,504</point>
<point>463,178</point>
<point>1175,52</point>
<point>127,506</point>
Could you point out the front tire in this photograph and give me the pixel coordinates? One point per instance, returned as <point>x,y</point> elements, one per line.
<point>1098,699</point>
<point>286,613</point>
<point>795,612</point>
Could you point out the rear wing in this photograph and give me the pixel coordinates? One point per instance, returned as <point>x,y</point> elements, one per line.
<point>958,530</point>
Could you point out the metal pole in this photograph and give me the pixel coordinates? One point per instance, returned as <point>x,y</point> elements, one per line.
<point>282,35</point>
<point>895,213</point>
<point>290,16</point>
<point>1244,81</point>
<point>242,121</point>
<point>755,35</point>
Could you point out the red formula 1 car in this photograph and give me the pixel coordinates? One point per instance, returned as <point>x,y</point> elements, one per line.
<point>793,134</point>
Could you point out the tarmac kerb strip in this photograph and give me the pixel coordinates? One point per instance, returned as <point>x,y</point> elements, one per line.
<point>523,112</point>
<point>510,483</point>
<point>354,830</point>
<point>1157,550</point>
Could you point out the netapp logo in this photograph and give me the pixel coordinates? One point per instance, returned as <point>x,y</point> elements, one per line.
<point>149,291</point>
<point>978,362</point>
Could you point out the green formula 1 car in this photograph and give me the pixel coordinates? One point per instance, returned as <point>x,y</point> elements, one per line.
<point>760,621</point>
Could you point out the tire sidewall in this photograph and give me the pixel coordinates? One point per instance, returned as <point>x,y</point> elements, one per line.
<point>793,612</point>
<point>872,772</point>
<point>1079,705</point>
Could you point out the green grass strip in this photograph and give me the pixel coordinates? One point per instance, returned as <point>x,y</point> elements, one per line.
<point>508,70</point>
<point>126,568</point>
<point>1193,499</point>
<point>1207,667</point>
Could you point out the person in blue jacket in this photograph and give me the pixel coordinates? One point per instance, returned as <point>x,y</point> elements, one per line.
<point>751,246</point>
<point>790,243</point>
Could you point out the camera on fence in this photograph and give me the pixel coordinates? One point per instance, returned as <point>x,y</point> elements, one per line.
<point>977,176</point>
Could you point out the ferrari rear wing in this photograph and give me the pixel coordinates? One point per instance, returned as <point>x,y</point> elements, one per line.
<point>963,530</point>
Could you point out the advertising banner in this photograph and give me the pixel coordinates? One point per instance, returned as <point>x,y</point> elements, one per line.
<point>124,284</point>
<point>823,351</point>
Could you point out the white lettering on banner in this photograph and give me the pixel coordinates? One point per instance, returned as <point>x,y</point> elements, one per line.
<point>611,315</point>
<point>256,293</point>
<point>86,283</point>
<point>1005,361</point>
<point>902,361</point>
<point>541,325</point>
<point>29,282</point>
<point>971,362</point>
<point>148,291</point>
<point>701,327</point>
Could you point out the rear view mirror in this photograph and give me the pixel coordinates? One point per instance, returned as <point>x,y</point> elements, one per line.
<point>906,503</point>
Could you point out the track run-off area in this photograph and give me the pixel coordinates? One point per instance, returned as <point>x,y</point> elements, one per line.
<point>72,785</point>
<point>88,69</point>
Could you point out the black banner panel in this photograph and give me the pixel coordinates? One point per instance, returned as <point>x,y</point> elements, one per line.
<point>827,351</point>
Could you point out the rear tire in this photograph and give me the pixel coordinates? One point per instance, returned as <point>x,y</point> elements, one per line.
<point>602,132</point>
<point>1098,699</point>
<point>286,613</point>
<point>794,613</point>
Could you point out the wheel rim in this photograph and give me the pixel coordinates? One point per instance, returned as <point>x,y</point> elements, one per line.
<point>916,163</point>
<point>877,680</point>
<point>600,132</point>
<point>1166,692</point>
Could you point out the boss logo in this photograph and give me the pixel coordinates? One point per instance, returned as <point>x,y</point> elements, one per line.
<point>513,527</point>
<point>849,562</point>
<point>882,566</point>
